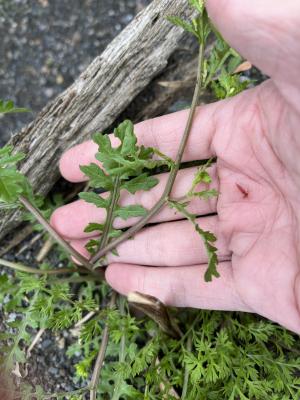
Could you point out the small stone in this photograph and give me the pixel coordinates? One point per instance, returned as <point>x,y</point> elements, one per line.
<point>59,79</point>
<point>49,92</point>
<point>53,370</point>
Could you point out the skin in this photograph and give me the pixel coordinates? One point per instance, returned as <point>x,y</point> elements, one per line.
<point>256,138</point>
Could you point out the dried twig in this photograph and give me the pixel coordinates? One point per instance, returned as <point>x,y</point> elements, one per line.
<point>30,243</point>
<point>17,239</point>
<point>101,354</point>
<point>47,246</point>
<point>34,342</point>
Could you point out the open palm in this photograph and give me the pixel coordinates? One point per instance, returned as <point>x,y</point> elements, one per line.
<point>255,137</point>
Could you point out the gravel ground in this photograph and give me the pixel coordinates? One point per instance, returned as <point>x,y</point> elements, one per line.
<point>45,44</point>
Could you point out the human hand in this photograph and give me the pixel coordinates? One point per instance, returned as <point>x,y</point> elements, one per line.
<point>255,137</point>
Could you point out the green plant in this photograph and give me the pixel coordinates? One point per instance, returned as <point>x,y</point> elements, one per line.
<point>195,354</point>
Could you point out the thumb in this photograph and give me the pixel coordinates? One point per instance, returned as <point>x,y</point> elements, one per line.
<point>265,32</point>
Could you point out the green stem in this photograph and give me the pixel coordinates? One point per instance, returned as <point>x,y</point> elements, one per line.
<point>172,176</point>
<point>24,268</point>
<point>214,70</point>
<point>36,213</point>
<point>110,214</point>
<point>77,279</point>
<point>63,394</point>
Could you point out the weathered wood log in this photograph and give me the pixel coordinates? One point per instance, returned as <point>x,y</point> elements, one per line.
<point>174,84</point>
<point>98,96</point>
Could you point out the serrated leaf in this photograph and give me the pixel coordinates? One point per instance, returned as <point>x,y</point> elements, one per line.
<point>228,85</point>
<point>92,245</point>
<point>95,199</point>
<point>202,176</point>
<point>207,237</point>
<point>145,153</point>
<point>93,226</point>
<point>114,233</point>
<point>12,184</point>
<point>127,212</point>
<point>182,24</point>
<point>125,133</point>
<point>141,182</point>
<point>198,5</point>
<point>97,177</point>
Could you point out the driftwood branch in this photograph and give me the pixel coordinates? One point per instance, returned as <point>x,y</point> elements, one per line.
<point>98,96</point>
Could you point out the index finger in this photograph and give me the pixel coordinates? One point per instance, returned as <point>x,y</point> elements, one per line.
<point>163,133</point>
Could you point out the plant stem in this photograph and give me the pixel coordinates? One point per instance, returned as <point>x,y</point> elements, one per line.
<point>63,394</point>
<point>122,352</point>
<point>30,270</point>
<point>110,214</point>
<point>186,371</point>
<point>77,279</point>
<point>101,354</point>
<point>36,213</point>
<point>169,185</point>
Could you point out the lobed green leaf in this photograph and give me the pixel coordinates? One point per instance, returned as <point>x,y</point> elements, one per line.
<point>94,198</point>
<point>8,106</point>
<point>141,182</point>
<point>97,177</point>
<point>127,212</point>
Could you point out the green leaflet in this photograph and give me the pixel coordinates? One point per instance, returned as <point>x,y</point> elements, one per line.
<point>207,237</point>
<point>11,185</point>
<point>198,5</point>
<point>202,176</point>
<point>93,226</point>
<point>206,194</point>
<point>114,233</point>
<point>228,85</point>
<point>92,245</point>
<point>97,177</point>
<point>182,24</point>
<point>128,139</point>
<point>6,158</point>
<point>95,199</point>
<point>12,182</point>
<point>141,182</point>
<point>8,106</point>
<point>127,212</point>
<point>199,26</point>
